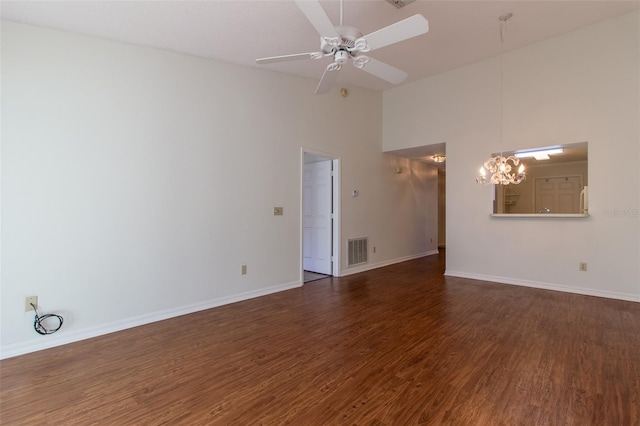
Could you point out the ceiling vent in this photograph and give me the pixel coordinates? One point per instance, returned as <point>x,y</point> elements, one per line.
<point>400,3</point>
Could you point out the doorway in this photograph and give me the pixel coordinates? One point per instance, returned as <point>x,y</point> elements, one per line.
<point>319,246</point>
<point>435,156</point>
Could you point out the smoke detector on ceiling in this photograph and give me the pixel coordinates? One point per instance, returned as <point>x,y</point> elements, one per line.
<point>400,3</point>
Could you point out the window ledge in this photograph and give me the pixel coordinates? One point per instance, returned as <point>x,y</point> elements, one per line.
<point>541,215</point>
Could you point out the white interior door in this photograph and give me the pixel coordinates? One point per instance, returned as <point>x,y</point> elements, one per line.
<point>558,194</point>
<point>317,232</point>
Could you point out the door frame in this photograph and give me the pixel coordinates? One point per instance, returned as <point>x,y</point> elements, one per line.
<point>335,195</point>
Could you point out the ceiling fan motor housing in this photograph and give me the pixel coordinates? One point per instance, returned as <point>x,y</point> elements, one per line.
<point>347,40</point>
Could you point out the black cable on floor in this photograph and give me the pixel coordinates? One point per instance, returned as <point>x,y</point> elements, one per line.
<point>40,327</point>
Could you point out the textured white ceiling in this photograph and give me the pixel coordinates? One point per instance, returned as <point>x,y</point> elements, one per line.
<point>461,32</point>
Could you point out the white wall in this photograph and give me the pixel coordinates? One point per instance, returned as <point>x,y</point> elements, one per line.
<point>410,196</point>
<point>136,182</point>
<point>442,208</point>
<point>583,86</point>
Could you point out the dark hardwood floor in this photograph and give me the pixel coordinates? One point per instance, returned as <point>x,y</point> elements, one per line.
<point>400,345</point>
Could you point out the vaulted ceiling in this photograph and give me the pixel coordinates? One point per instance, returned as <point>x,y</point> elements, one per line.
<point>461,32</point>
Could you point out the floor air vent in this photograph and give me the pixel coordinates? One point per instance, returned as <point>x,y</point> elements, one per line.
<point>357,251</point>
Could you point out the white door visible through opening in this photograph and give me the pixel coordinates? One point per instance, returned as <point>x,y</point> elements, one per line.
<point>558,194</point>
<point>317,232</point>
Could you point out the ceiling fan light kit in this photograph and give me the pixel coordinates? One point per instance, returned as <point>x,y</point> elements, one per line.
<point>344,43</point>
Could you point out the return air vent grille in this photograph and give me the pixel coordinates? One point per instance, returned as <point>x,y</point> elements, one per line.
<point>357,251</point>
<point>400,3</point>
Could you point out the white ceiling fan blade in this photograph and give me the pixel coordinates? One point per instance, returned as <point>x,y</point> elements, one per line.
<point>293,57</point>
<point>318,18</point>
<point>401,30</point>
<point>384,71</point>
<point>328,78</point>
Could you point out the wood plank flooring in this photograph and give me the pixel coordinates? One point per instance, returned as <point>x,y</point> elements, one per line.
<point>399,345</point>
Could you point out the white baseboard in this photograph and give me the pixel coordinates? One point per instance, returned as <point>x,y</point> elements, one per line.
<point>545,286</point>
<point>51,341</point>
<point>370,266</point>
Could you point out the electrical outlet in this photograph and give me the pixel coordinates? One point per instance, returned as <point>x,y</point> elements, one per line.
<point>28,301</point>
<point>244,269</point>
<point>582,266</point>
<point>278,211</point>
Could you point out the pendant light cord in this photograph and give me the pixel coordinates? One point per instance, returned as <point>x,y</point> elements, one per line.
<point>503,23</point>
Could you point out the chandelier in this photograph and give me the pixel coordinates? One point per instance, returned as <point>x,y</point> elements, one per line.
<point>499,166</point>
<point>500,169</point>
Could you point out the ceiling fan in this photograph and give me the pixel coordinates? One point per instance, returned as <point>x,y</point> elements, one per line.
<point>346,43</point>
